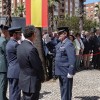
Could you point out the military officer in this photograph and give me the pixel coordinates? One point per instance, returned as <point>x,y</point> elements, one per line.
<point>13,65</point>
<point>64,63</point>
<point>3,62</point>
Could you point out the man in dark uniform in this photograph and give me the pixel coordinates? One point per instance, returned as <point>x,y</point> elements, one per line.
<point>3,62</point>
<point>31,70</point>
<point>64,63</point>
<point>13,65</point>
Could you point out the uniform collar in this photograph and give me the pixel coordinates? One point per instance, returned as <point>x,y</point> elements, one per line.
<point>13,39</point>
<point>64,41</point>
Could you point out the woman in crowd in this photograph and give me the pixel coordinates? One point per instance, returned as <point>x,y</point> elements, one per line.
<point>79,46</point>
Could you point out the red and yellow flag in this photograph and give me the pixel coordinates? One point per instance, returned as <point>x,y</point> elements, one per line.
<point>37,13</point>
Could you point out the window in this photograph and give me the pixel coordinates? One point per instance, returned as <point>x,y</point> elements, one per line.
<point>62,10</point>
<point>62,4</point>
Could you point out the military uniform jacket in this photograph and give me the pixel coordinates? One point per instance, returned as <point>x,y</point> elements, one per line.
<point>3,61</point>
<point>65,58</point>
<point>13,65</point>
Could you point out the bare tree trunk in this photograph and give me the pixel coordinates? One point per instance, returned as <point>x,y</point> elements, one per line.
<point>8,7</point>
<point>81,7</point>
<point>39,46</point>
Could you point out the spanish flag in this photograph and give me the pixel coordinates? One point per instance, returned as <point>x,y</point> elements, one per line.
<point>37,13</point>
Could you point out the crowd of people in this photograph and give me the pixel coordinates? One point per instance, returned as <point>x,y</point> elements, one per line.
<point>21,67</point>
<point>87,47</point>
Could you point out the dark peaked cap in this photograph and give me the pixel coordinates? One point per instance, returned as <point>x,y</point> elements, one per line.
<point>15,29</point>
<point>62,29</point>
<point>3,27</point>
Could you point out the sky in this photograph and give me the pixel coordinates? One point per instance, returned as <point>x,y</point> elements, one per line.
<point>91,1</point>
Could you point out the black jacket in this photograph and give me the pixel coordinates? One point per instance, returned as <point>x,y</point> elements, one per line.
<point>31,70</point>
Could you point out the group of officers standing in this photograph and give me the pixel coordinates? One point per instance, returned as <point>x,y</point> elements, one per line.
<point>20,64</point>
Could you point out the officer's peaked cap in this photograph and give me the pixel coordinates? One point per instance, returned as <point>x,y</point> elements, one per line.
<point>3,27</point>
<point>15,29</point>
<point>62,29</point>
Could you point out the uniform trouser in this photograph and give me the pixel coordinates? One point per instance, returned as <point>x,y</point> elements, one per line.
<point>3,85</point>
<point>66,87</point>
<point>50,59</point>
<point>30,96</point>
<point>78,61</point>
<point>14,91</point>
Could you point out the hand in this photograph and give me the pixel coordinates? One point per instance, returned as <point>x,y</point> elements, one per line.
<point>82,50</point>
<point>69,76</point>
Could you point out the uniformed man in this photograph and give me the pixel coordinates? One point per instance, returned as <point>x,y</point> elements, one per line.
<point>13,65</point>
<point>64,63</point>
<point>3,62</point>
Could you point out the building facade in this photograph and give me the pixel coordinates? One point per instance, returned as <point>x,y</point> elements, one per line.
<point>67,7</point>
<point>14,5</point>
<point>91,12</point>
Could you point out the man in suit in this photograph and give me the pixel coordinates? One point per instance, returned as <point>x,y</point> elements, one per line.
<point>31,70</point>
<point>13,65</point>
<point>3,62</point>
<point>95,44</point>
<point>65,63</point>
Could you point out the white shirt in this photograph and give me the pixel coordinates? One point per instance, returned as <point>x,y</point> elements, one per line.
<point>78,46</point>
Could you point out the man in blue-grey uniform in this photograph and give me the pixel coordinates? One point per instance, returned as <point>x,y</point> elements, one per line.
<point>13,65</point>
<point>64,63</point>
<point>3,62</point>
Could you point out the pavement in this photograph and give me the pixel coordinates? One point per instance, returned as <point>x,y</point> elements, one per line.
<point>86,86</point>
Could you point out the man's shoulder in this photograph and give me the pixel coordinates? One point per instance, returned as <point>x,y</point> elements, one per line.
<point>12,42</point>
<point>2,39</point>
<point>25,45</point>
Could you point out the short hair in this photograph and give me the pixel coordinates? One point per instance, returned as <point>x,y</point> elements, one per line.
<point>72,36</point>
<point>29,31</point>
<point>77,35</point>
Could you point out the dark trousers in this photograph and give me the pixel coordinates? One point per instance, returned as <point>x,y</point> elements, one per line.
<point>66,87</point>
<point>14,91</point>
<point>3,85</point>
<point>96,60</point>
<point>30,96</point>
<point>49,60</point>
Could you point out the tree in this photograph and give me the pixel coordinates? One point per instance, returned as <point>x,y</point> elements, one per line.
<point>8,20</point>
<point>88,24</point>
<point>8,8</point>
<point>52,7</point>
<point>21,10</point>
<point>98,12</point>
<point>38,43</point>
<point>73,23</point>
<point>81,13</point>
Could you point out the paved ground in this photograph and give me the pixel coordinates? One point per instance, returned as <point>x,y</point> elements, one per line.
<point>86,87</point>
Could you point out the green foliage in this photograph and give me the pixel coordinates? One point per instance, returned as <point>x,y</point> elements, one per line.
<point>52,2</point>
<point>88,24</point>
<point>73,23</point>
<point>19,11</point>
<point>15,12</point>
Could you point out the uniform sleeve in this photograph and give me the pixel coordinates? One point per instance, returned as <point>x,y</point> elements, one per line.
<point>71,58</point>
